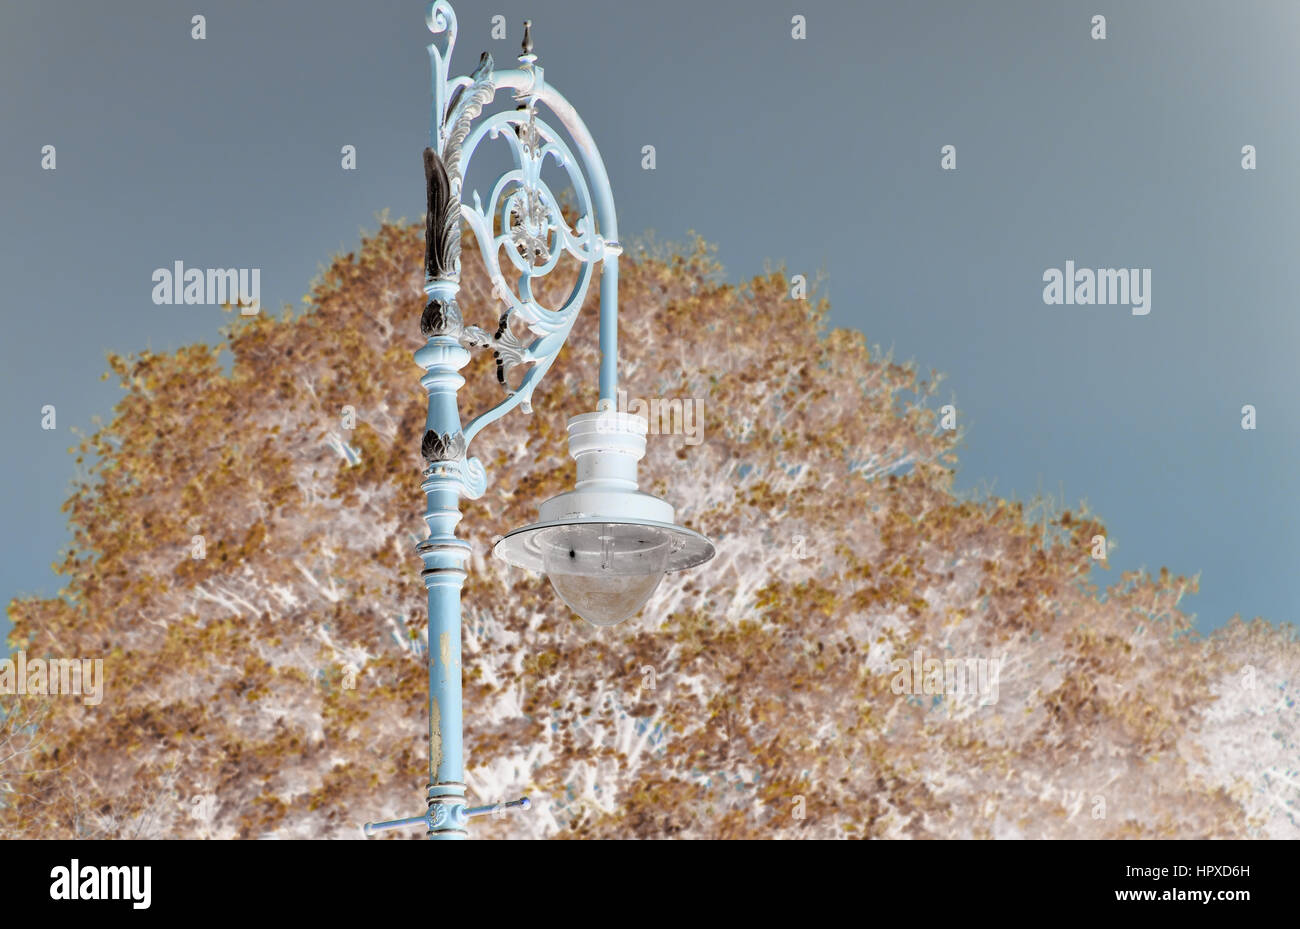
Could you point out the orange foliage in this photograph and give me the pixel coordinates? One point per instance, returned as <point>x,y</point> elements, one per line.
<point>277,685</point>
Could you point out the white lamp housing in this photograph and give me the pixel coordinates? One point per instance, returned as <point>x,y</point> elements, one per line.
<point>605,545</point>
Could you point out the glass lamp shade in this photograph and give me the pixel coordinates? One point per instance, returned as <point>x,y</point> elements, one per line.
<point>605,571</point>
<point>605,545</point>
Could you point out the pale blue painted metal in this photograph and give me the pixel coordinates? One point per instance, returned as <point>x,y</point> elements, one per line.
<point>444,558</point>
<point>532,245</point>
<point>609,335</point>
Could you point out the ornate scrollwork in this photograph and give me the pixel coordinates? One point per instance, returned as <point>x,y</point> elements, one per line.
<point>521,219</point>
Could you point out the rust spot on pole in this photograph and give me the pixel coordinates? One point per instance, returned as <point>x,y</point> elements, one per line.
<point>435,739</point>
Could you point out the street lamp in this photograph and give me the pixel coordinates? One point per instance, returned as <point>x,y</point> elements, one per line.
<point>605,545</point>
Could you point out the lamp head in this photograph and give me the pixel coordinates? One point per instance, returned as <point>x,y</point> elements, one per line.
<point>605,545</point>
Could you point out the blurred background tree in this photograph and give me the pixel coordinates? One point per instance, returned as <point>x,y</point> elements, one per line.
<point>276,685</point>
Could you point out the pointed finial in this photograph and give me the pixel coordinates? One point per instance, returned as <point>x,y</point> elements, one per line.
<point>526,58</point>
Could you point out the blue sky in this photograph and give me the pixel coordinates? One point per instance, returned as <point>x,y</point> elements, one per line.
<point>822,154</point>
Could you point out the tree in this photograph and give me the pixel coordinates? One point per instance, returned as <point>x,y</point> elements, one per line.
<point>275,685</point>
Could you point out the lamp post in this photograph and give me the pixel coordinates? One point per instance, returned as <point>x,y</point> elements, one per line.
<point>604,545</point>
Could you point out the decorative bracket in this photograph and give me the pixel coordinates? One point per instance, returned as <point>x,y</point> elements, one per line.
<point>522,231</point>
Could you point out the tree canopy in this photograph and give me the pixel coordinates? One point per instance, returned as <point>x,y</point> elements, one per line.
<point>276,684</point>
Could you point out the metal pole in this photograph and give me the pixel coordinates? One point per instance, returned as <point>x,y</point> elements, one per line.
<point>444,483</point>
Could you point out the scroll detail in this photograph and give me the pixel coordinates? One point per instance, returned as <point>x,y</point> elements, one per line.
<point>442,225</point>
<point>442,446</point>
